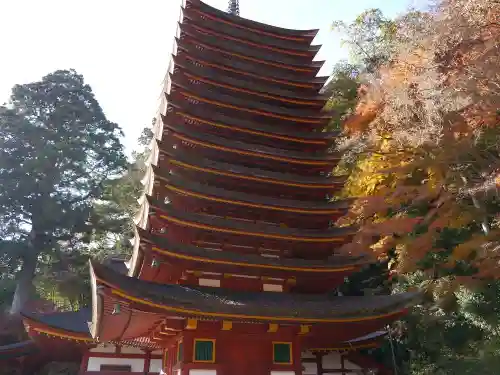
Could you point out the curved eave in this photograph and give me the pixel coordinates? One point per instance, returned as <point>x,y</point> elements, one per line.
<point>371,340</point>
<point>227,102</point>
<point>195,190</point>
<point>255,26</point>
<point>183,116</point>
<point>210,45</point>
<point>253,174</point>
<point>176,251</point>
<point>277,52</point>
<point>17,350</point>
<point>220,145</point>
<point>221,304</point>
<point>230,226</point>
<point>251,70</point>
<point>36,325</point>
<point>215,80</point>
<point>214,23</point>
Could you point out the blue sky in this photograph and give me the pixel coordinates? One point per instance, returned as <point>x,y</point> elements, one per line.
<point>122,47</point>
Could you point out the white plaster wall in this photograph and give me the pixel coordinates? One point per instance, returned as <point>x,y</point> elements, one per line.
<point>137,364</point>
<point>307,355</point>
<point>132,350</point>
<point>203,372</point>
<point>282,372</point>
<point>272,288</point>
<point>332,361</point>
<point>209,282</point>
<point>155,365</point>
<point>310,368</point>
<point>157,352</point>
<point>104,348</point>
<point>351,366</point>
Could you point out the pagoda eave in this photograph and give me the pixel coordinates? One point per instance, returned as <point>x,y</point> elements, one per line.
<point>309,71</point>
<point>228,104</point>
<point>252,48</point>
<point>17,350</point>
<point>213,22</point>
<point>201,79</point>
<point>165,260</point>
<point>187,54</point>
<point>213,124</point>
<point>246,154</point>
<point>189,195</point>
<point>254,26</point>
<point>347,318</point>
<point>235,125</point>
<point>184,226</point>
<point>204,40</point>
<point>243,178</point>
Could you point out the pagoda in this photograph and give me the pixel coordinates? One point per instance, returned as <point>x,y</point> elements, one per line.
<point>236,260</point>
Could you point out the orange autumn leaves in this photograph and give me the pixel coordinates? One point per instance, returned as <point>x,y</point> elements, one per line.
<point>431,117</point>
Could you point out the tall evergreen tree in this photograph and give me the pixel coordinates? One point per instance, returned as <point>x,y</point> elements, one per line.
<point>57,153</point>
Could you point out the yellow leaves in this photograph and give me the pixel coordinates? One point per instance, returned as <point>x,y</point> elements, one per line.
<point>396,225</point>
<point>411,250</point>
<point>465,250</point>
<point>381,247</point>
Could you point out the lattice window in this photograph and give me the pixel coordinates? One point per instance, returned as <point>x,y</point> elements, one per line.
<point>282,353</point>
<point>204,350</point>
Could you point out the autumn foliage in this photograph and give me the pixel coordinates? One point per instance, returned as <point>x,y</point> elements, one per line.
<point>427,128</point>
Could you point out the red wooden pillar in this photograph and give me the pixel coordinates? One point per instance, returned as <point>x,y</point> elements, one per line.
<point>147,361</point>
<point>84,364</point>
<point>297,356</point>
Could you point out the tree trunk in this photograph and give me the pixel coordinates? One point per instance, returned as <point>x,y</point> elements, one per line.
<point>24,285</point>
<point>25,276</point>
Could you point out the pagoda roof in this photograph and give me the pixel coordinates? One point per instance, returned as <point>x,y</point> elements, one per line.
<point>313,117</point>
<point>75,326</point>
<point>18,349</point>
<point>213,22</point>
<point>255,26</point>
<point>370,340</point>
<point>258,49</point>
<point>164,246</point>
<point>75,323</point>
<point>247,128</point>
<point>212,44</point>
<point>190,188</point>
<point>268,73</point>
<point>220,303</point>
<point>222,146</point>
<point>243,85</point>
<point>251,173</point>
<point>232,226</point>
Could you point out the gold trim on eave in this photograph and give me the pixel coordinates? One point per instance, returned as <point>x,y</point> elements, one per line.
<point>256,132</point>
<point>245,177</point>
<point>325,162</point>
<point>245,73</point>
<point>252,92</point>
<point>124,295</point>
<point>254,234</point>
<point>253,205</point>
<point>63,336</point>
<point>242,264</point>
<point>305,119</point>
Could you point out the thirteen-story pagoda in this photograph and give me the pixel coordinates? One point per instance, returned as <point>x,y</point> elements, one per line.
<point>235,261</point>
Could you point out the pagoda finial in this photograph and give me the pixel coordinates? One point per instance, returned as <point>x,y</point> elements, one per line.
<point>234,7</point>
